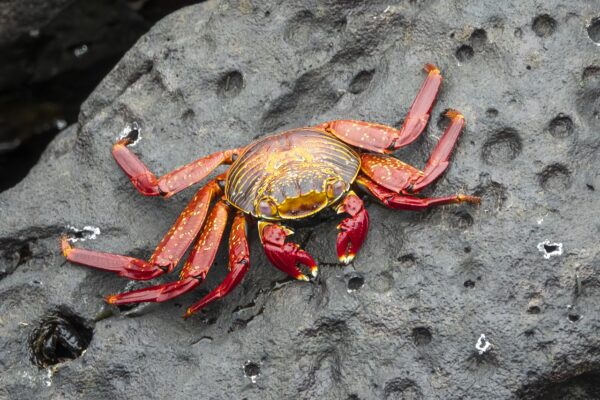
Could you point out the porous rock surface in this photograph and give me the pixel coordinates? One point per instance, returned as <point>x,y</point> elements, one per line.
<point>403,320</point>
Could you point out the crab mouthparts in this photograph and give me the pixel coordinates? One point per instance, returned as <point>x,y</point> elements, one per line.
<point>302,206</point>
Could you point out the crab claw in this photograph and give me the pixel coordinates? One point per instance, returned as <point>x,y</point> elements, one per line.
<point>285,256</point>
<point>353,230</point>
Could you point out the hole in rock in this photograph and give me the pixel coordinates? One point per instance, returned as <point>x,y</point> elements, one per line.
<point>574,317</point>
<point>402,388</point>
<point>478,38</point>
<point>361,81</point>
<point>544,25</point>
<point>231,84</point>
<point>555,178</point>
<point>464,53</point>
<point>355,283</point>
<point>251,370</point>
<point>550,249</point>
<point>60,336</point>
<point>491,113</point>
<point>591,74</point>
<point>502,147</point>
<point>561,126</point>
<point>534,310</point>
<point>593,30</point>
<point>421,336</point>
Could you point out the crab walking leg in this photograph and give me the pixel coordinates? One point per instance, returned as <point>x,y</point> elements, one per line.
<point>284,255</point>
<point>352,230</point>
<point>440,156</point>
<point>385,139</point>
<point>239,263</point>
<point>388,171</point>
<point>407,202</point>
<point>167,185</point>
<point>167,254</point>
<point>204,251</point>
<point>400,177</point>
<point>195,269</point>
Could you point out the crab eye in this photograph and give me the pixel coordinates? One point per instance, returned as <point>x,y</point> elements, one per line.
<point>267,207</point>
<point>335,189</point>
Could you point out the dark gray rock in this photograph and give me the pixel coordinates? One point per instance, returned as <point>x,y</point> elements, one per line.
<point>24,17</point>
<point>53,54</point>
<point>432,283</point>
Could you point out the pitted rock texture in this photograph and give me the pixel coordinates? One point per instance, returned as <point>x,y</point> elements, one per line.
<point>403,320</point>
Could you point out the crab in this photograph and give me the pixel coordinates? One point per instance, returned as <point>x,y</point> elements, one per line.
<point>281,177</point>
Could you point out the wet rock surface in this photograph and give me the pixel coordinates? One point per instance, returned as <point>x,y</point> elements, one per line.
<point>403,321</point>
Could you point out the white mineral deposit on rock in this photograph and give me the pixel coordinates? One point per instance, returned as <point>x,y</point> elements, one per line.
<point>550,249</point>
<point>87,232</point>
<point>48,378</point>
<point>80,51</point>
<point>250,371</point>
<point>60,124</point>
<point>482,345</point>
<point>128,129</point>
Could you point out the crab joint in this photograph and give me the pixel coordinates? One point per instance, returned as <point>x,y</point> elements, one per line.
<point>65,246</point>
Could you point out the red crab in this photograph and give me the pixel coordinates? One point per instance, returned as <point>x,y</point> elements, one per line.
<point>285,176</point>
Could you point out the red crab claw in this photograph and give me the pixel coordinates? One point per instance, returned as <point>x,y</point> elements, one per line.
<point>282,255</point>
<point>353,230</point>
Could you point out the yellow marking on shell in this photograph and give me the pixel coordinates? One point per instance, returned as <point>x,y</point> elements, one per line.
<point>276,159</point>
<point>302,206</point>
<point>287,164</point>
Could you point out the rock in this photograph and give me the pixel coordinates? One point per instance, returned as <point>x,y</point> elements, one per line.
<point>404,320</point>
<point>54,53</point>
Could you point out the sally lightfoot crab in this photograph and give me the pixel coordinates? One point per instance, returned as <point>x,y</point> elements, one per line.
<point>281,177</point>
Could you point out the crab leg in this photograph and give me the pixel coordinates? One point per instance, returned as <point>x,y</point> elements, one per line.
<point>167,185</point>
<point>385,139</point>
<point>195,269</point>
<point>440,156</point>
<point>399,177</point>
<point>285,256</point>
<point>352,230</point>
<point>239,263</point>
<point>407,202</point>
<point>167,253</point>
